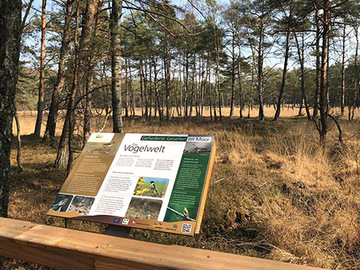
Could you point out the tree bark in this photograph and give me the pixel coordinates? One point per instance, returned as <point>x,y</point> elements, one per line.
<point>323,101</point>
<point>260,75</point>
<point>131,92</point>
<point>317,79</point>
<point>342,93</point>
<point>63,152</point>
<point>232,101</point>
<point>241,102</point>
<point>60,81</point>
<point>167,69</point>
<point>18,136</point>
<point>86,62</point>
<point>10,32</point>
<point>40,106</point>
<point>217,60</point>
<point>300,51</point>
<point>283,81</point>
<point>352,105</point>
<point>186,83</point>
<point>116,12</point>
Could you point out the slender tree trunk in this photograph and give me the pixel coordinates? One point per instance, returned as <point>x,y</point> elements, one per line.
<point>83,63</point>
<point>283,81</point>
<point>141,89</point>
<point>115,25</point>
<point>192,93</point>
<point>157,94</point>
<point>126,84</point>
<point>40,106</point>
<point>261,70</point>
<point>10,33</point>
<point>131,93</point>
<point>203,85</point>
<point>18,154</point>
<point>208,74</point>
<point>352,105</point>
<point>300,50</point>
<point>232,102</point>
<point>241,102</point>
<point>323,102</point>
<point>186,82</point>
<point>167,63</point>
<point>317,78</point>
<point>146,99</point>
<point>301,106</point>
<point>150,92</point>
<point>86,62</point>
<point>342,93</point>
<point>63,152</point>
<point>60,81</point>
<point>217,60</point>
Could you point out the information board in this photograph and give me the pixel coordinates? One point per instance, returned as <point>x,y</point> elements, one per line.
<point>149,181</point>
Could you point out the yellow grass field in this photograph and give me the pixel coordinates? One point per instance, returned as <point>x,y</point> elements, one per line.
<point>275,192</point>
<point>27,118</point>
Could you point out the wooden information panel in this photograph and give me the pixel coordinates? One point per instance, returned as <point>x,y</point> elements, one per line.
<point>148,181</point>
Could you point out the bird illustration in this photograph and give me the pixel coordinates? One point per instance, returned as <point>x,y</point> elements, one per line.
<point>57,207</point>
<point>198,149</point>
<point>146,208</point>
<point>186,212</point>
<point>153,187</point>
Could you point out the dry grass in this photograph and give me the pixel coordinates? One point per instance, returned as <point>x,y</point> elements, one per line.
<point>274,192</point>
<point>27,118</point>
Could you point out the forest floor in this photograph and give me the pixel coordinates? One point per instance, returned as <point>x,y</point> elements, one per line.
<point>283,197</point>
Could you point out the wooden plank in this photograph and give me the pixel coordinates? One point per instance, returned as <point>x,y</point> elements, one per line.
<point>71,249</point>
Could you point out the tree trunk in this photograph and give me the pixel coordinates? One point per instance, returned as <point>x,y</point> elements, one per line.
<point>157,94</point>
<point>90,25</point>
<point>131,92</point>
<point>126,91</point>
<point>81,73</point>
<point>300,51</point>
<point>63,152</point>
<point>217,60</point>
<point>241,102</point>
<point>140,72</point>
<point>10,32</point>
<point>167,62</point>
<point>260,85</point>
<point>115,25</point>
<point>232,101</point>
<point>60,81</point>
<point>208,76</point>
<point>186,83</point>
<point>283,81</point>
<point>150,92</point>
<point>352,105</point>
<point>146,99</point>
<point>342,93</point>
<point>40,106</point>
<point>193,87</point>
<point>18,136</point>
<point>323,102</point>
<point>317,79</point>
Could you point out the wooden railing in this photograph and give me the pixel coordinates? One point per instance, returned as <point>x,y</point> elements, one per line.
<point>71,249</point>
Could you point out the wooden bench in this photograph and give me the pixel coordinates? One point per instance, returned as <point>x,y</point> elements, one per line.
<point>71,249</point>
